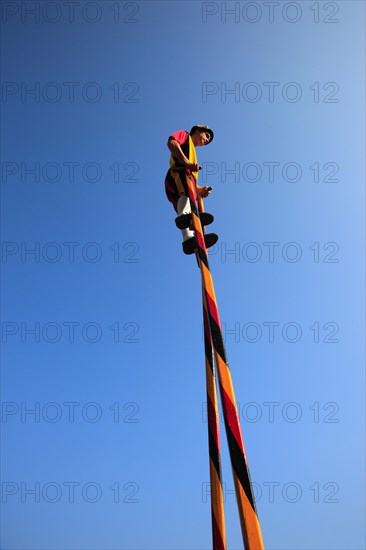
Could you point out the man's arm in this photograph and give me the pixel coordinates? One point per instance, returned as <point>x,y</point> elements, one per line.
<point>204,191</point>
<point>175,149</point>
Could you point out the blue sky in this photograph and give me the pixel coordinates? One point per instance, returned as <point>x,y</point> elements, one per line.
<point>101,323</point>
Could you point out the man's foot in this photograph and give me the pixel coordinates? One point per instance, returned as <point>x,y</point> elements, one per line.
<point>189,245</point>
<point>183,221</point>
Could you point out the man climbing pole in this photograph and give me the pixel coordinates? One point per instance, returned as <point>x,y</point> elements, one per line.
<point>184,166</point>
<point>185,195</point>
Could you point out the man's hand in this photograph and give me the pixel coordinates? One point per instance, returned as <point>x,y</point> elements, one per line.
<point>204,191</point>
<point>192,166</point>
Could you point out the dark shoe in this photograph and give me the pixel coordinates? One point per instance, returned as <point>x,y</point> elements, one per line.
<point>183,221</point>
<point>211,239</point>
<point>189,245</point>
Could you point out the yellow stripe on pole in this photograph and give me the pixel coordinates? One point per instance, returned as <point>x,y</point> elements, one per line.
<point>225,377</point>
<point>248,520</point>
<point>217,503</point>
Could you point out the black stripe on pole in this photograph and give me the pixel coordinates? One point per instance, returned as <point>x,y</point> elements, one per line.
<point>217,338</point>
<point>214,454</point>
<point>239,466</point>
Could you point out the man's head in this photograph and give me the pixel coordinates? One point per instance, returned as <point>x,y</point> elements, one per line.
<point>201,135</point>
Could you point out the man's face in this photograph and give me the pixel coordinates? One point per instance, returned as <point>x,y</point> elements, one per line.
<point>201,137</point>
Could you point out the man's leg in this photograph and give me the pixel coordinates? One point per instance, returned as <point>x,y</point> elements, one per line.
<point>184,207</point>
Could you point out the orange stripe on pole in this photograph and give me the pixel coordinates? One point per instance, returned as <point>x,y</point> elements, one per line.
<point>218,518</point>
<point>224,375</point>
<point>248,518</point>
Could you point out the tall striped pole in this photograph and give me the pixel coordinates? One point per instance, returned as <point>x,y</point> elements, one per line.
<point>217,498</point>
<point>249,522</point>
<point>213,422</point>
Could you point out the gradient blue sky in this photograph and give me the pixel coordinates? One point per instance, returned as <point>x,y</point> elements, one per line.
<point>115,305</point>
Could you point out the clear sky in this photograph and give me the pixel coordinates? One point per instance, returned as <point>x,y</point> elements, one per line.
<point>104,438</point>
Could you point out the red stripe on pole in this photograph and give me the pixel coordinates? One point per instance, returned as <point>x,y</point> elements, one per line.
<point>212,308</point>
<point>218,542</point>
<point>200,240</point>
<point>231,415</point>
